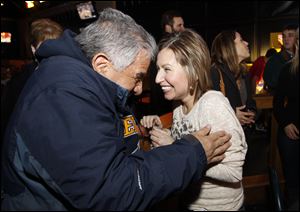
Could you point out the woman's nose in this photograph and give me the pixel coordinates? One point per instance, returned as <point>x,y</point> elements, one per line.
<point>159,76</point>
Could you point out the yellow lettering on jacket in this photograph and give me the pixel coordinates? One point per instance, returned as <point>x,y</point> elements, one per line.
<point>130,126</point>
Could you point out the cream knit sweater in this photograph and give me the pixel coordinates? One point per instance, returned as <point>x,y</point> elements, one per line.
<point>221,188</point>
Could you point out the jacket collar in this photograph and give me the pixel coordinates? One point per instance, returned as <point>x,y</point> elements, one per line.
<point>118,94</point>
<point>121,101</point>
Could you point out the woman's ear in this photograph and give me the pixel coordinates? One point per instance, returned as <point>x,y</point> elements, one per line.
<point>101,63</point>
<point>32,49</point>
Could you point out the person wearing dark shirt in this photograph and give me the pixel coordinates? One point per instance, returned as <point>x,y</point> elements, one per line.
<point>257,69</point>
<point>229,75</point>
<point>286,111</point>
<point>40,30</point>
<point>275,63</point>
<point>228,52</point>
<point>256,76</point>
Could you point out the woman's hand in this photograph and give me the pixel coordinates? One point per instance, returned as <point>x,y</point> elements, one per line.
<point>245,117</point>
<point>160,137</point>
<point>291,132</point>
<point>151,121</point>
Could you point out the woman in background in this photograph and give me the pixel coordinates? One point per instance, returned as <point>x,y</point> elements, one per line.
<point>228,52</point>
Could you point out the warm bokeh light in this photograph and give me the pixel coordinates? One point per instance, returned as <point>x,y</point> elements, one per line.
<point>249,65</point>
<point>260,87</point>
<point>5,37</point>
<point>29,4</point>
<point>276,40</point>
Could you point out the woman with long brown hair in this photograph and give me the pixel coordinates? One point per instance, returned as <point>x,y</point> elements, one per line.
<point>228,53</point>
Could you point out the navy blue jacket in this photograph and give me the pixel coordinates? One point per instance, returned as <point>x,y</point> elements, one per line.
<point>64,146</point>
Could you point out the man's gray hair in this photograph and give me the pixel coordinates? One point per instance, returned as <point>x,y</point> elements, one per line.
<point>118,36</point>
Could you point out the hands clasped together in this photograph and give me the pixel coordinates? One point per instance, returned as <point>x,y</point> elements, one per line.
<point>214,144</point>
<point>159,136</point>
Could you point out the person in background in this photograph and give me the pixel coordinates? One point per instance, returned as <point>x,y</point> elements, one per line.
<point>286,111</point>
<point>43,29</point>
<point>228,71</point>
<point>40,30</point>
<point>257,69</point>
<point>171,21</point>
<point>64,147</point>
<point>276,62</point>
<point>229,75</point>
<point>183,65</point>
<point>256,76</point>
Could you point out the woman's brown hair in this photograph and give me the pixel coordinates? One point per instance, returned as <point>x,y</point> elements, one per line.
<point>223,51</point>
<point>192,53</point>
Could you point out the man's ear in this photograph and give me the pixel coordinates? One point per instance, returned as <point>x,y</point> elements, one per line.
<point>101,63</point>
<point>168,28</point>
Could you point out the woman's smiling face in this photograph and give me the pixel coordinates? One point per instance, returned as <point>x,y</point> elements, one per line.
<point>171,76</point>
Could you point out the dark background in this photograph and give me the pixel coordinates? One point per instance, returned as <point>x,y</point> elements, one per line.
<point>253,19</point>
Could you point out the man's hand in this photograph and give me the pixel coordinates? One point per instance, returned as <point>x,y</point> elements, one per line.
<point>214,144</point>
<point>291,132</point>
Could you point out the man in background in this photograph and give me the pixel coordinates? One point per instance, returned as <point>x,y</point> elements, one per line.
<point>172,21</point>
<point>276,62</point>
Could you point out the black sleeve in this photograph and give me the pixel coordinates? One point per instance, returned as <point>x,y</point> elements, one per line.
<point>279,110</point>
<point>250,104</point>
<point>215,77</point>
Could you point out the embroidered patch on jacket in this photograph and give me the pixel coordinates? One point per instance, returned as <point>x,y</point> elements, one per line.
<point>130,126</point>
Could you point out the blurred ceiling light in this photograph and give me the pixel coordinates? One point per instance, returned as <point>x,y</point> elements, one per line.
<point>42,1</point>
<point>29,4</point>
<point>5,37</point>
<point>2,4</point>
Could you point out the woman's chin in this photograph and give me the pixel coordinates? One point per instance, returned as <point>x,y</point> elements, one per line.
<point>168,97</point>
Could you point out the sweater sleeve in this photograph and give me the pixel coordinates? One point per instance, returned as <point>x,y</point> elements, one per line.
<point>218,113</point>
